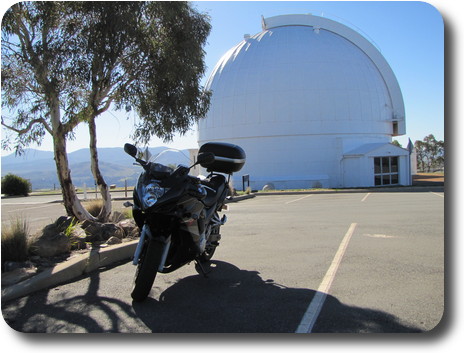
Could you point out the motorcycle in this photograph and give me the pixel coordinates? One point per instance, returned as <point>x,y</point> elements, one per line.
<point>177,213</point>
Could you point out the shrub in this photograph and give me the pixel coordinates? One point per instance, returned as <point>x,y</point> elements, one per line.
<point>15,244</point>
<point>15,185</point>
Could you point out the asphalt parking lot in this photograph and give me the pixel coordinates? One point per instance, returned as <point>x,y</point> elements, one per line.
<point>343,262</point>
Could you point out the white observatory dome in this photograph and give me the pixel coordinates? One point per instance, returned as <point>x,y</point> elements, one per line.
<point>299,98</point>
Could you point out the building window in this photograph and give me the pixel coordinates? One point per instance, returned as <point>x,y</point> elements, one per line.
<point>386,171</point>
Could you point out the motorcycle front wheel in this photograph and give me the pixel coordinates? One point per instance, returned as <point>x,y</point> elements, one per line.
<point>147,268</point>
<point>207,255</point>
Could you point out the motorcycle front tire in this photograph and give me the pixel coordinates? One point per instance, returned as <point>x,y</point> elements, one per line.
<point>207,255</point>
<point>147,269</point>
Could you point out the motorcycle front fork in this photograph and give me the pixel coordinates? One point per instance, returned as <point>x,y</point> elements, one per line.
<point>138,251</point>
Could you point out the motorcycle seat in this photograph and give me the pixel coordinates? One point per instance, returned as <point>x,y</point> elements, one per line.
<point>215,187</point>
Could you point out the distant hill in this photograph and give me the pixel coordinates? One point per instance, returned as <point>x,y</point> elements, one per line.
<point>39,167</point>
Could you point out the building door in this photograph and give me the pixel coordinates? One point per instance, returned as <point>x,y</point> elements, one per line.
<point>386,171</point>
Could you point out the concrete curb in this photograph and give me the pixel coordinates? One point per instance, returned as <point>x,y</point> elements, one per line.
<point>240,198</point>
<point>70,269</point>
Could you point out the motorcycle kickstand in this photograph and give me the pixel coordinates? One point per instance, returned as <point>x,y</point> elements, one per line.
<point>200,269</point>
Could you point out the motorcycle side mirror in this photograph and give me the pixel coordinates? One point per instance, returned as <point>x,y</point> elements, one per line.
<point>205,158</point>
<point>131,150</point>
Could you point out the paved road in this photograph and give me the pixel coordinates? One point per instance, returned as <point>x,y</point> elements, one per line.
<point>350,262</point>
<point>44,209</point>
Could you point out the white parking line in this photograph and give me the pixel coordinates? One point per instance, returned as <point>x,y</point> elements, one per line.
<point>441,195</point>
<point>301,198</point>
<point>314,308</point>
<point>365,197</point>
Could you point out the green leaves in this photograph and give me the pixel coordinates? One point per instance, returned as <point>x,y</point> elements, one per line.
<point>166,91</point>
<point>89,56</point>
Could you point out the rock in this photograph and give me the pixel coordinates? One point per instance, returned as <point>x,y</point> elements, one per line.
<point>117,217</point>
<point>130,228</point>
<point>50,242</point>
<point>78,238</point>
<point>111,229</point>
<point>63,222</point>
<point>97,231</point>
<point>113,240</point>
<point>93,230</point>
<point>269,186</point>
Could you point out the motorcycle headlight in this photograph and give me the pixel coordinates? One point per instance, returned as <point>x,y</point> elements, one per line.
<point>152,192</point>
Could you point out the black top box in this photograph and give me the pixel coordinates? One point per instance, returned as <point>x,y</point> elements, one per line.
<point>228,158</point>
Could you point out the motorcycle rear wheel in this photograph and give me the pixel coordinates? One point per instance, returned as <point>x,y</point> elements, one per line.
<point>147,270</point>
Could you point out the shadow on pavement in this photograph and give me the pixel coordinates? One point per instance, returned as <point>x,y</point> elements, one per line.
<point>235,300</point>
<point>86,313</point>
<point>231,300</point>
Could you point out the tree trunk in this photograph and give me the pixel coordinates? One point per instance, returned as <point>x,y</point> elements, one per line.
<point>72,204</point>
<point>104,190</point>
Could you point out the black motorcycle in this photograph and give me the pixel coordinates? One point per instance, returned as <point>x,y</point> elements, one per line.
<point>177,213</point>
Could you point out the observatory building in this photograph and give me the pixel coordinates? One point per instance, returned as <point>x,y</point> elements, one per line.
<point>313,104</point>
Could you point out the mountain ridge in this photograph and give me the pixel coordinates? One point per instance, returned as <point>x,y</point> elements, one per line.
<point>39,167</point>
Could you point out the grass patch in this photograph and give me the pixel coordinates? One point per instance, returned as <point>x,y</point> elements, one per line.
<point>248,191</point>
<point>15,242</point>
<point>70,228</point>
<point>127,212</point>
<point>94,206</point>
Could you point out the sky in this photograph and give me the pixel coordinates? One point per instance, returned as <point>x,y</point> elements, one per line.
<point>410,35</point>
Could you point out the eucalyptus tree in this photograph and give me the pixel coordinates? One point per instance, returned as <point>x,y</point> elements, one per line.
<point>430,153</point>
<point>66,63</point>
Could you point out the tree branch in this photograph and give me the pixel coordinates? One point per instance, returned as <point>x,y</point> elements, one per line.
<point>29,126</point>
<point>105,107</point>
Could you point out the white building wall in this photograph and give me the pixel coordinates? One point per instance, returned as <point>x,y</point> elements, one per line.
<point>405,170</point>
<point>351,178</point>
<point>299,95</point>
<point>358,166</point>
<point>301,161</point>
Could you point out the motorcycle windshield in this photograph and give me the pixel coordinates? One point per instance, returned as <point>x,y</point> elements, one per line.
<point>170,159</point>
